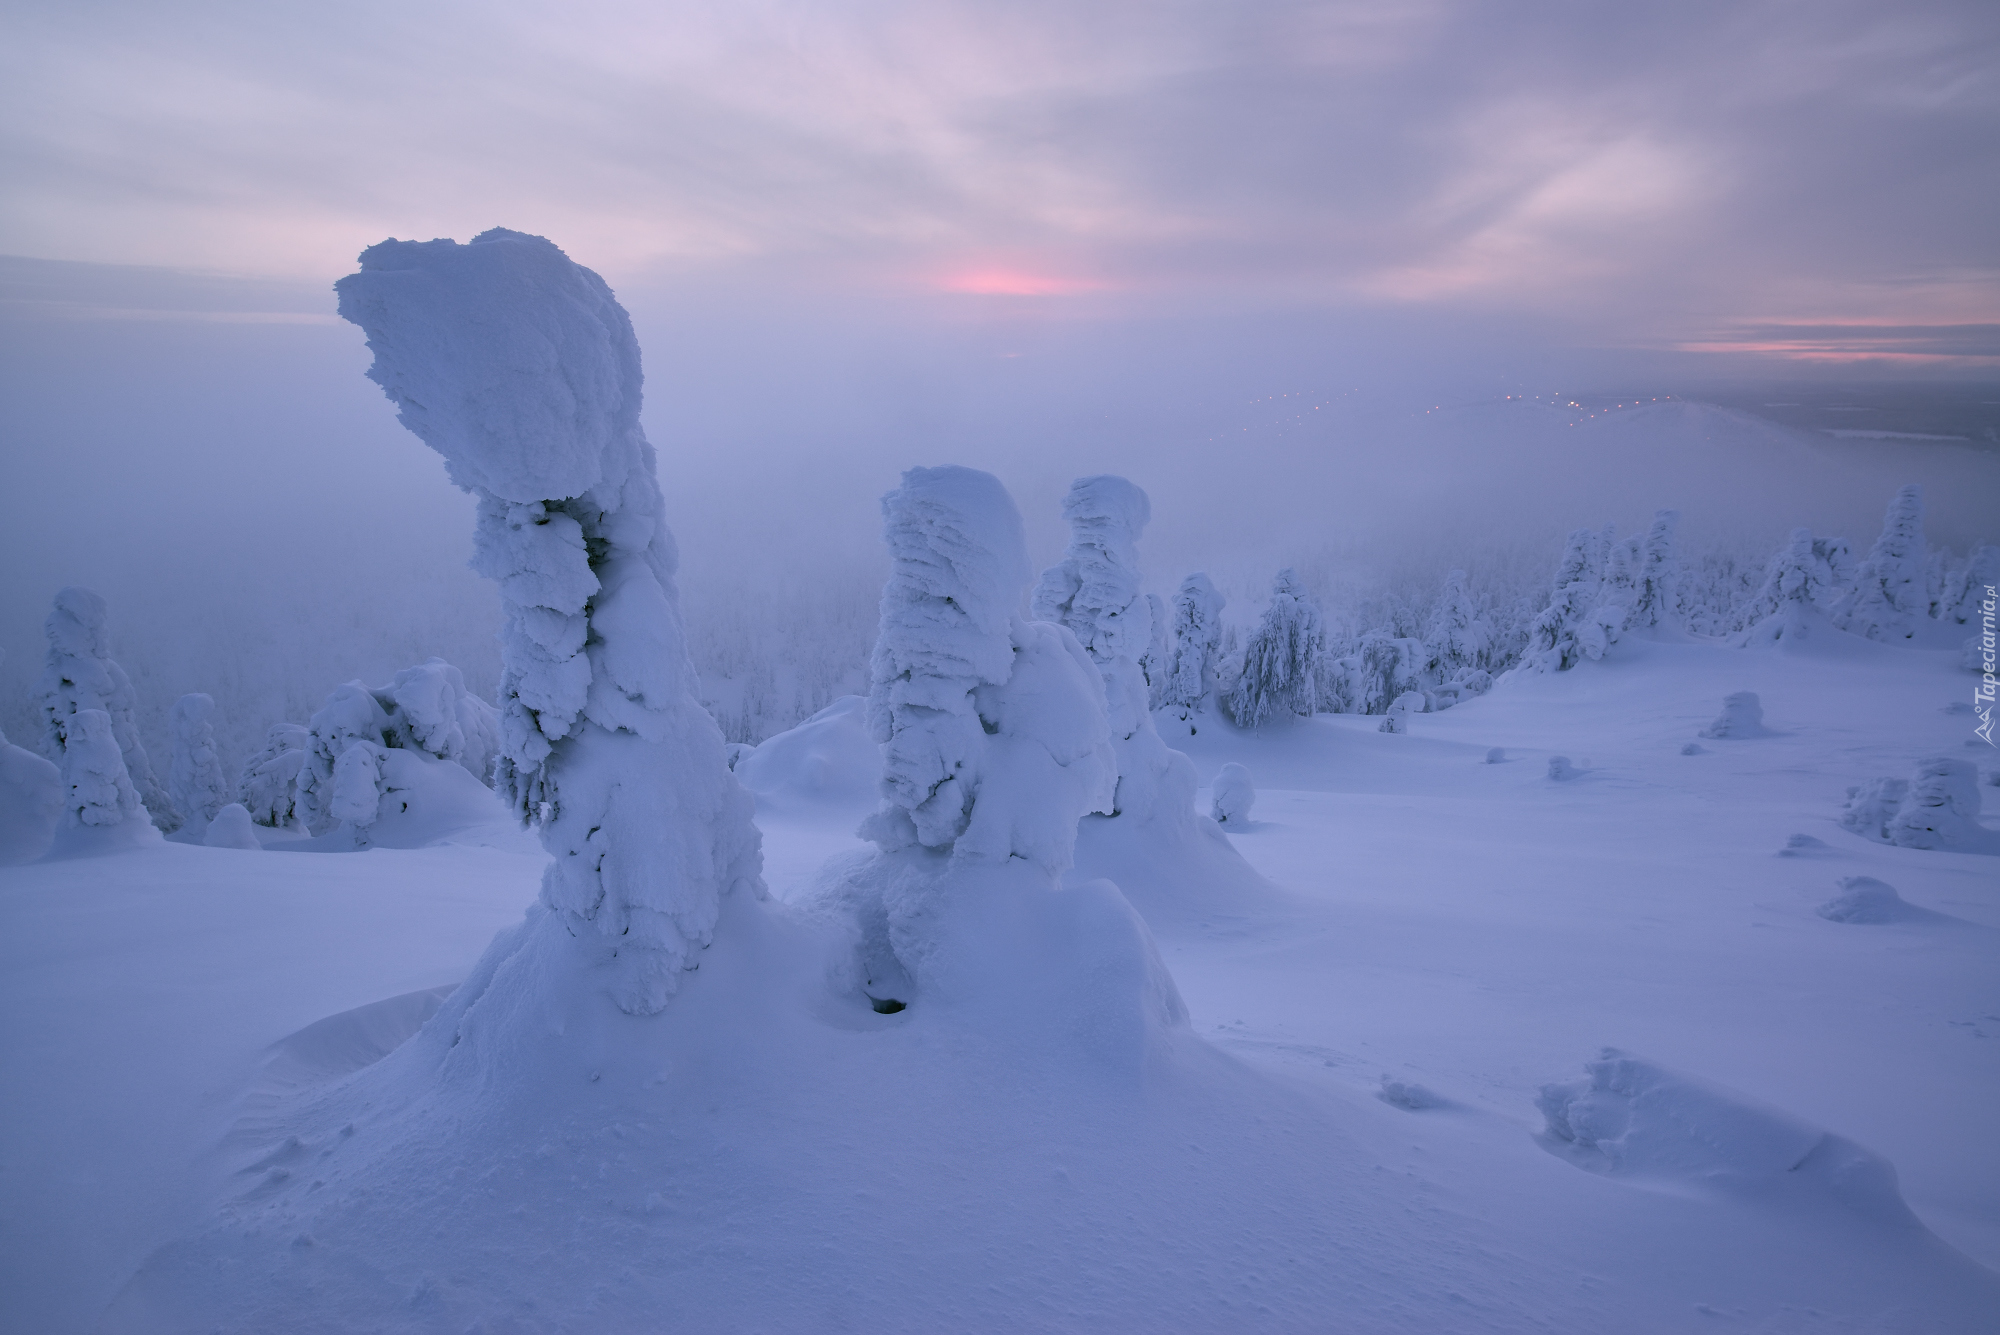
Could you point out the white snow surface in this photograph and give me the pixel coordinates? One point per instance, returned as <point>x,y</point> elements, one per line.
<point>1345,1135</point>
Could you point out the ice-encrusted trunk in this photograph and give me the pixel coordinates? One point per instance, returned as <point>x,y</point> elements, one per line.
<point>521,369</point>
<point>78,674</point>
<point>1095,594</point>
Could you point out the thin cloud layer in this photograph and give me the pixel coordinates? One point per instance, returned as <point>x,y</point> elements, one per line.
<point>1670,176</point>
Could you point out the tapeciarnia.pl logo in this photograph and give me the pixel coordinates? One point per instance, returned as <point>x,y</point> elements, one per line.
<point>1982,694</point>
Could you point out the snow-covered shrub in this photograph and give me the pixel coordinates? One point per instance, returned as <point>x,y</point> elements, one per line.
<point>1560,768</point>
<point>1872,805</point>
<point>1473,683</point>
<point>1890,590</point>
<point>1656,598</point>
<point>521,369</point>
<point>1394,721</point>
<point>269,787</point>
<point>1742,716</point>
<point>31,803</point>
<point>1496,755</point>
<point>1195,658</point>
<point>425,710</point>
<point>231,827</point>
<point>1866,901</point>
<point>78,674</point>
<point>1231,796</point>
<point>195,776</point>
<point>1941,807</point>
<point>1280,659</point>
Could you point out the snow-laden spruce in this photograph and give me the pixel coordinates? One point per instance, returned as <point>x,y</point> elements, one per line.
<point>78,674</point>
<point>1460,640</point>
<point>1574,626</point>
<point>1890,592</point>
<point>1941,807</point>
<point>521,369</point>
<point>1656,600</point>
<point>195,776</point>
<point>1787,605</point>
<point>1094,593</point>
<point>101,808</point>
<point>1195,660</point>
<point>1281,659</point>
<point>1966,595</point>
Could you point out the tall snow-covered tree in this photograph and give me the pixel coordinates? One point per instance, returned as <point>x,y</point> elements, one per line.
<point>79,673</point>
<point>1196,655</point>
<point>195,774</point>
<point>1094,593</point>
<point>1154,665</point>
<point>1560,637</point>
<point>521,369</point>
<point>1656,584</point>
<point>98,793</point>
<point>971,764</point>
<point>1459,638</point>
<point>269,786</point>
<point>1890,590</point>
<point>1281,658</point>
<point>1968,591</point>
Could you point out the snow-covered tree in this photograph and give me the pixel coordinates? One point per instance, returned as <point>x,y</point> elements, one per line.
<point>79,673</point>
<point>1786,606</point>
<point>98,793</point>
<point>1196,656</point>
<point>1968,594</point>
<point>1837,566</point>
<point>269,787</point>
<point>1941,808</point>
<point>1656,583</point>
<point>1459,638</point>
<point>1872,805</point>
<point>1231,795</point>
<point>1094,593</point>
<point>1568,629</point>
<point>195,775</point>
<point>521,369</point>
<point>1153,666</point>
<point>972,763</point>
<point>1890,591</point>
<point>1281,659</point>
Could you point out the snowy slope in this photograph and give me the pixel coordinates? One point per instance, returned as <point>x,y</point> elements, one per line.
<point>760,1156</point>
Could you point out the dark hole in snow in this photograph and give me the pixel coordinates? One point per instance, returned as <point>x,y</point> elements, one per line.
<point>885,1005</point>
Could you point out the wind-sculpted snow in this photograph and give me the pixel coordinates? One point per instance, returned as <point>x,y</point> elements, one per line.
<point>521,369</point>
<point>1631,1119</point>
<point>31,803</point>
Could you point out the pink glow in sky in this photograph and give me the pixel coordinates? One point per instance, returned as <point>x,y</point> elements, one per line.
<point>998,282</point>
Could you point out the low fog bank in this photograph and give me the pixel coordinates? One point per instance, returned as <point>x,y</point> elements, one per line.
<point>206,454</point>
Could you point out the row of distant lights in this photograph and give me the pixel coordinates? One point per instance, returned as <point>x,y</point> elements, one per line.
<point>1556,399</point>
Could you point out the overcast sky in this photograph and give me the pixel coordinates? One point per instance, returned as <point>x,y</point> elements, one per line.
<point>1810,177</point>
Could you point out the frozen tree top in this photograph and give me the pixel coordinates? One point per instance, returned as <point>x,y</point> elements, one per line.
<point>514,363</point>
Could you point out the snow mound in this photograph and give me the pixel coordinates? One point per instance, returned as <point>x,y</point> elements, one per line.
<point>409,800</point>
<point>1694,749</point>
<point>1560,768</point>
<point>829,760</point>
<point>1742,716</point>
<point>1409,1096</point>
<point>31,804</point>
<point>1941,809</point>
<point>1633,1120</point>
<point>1806,846</point>
<point>231,828</point>
<point>1496,755</point>
<point>1865,900</point>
